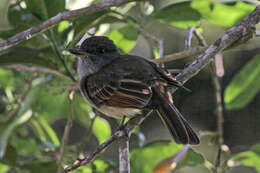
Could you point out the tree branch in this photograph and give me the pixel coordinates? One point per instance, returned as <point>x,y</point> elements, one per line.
<point>123,149</point>
<point>129,126</point>
<point>240,32</point>
<point>190,52</point>
<point>67,15</point>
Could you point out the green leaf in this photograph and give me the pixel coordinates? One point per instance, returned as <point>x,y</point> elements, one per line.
<point>101,129</point>
<point>6,78</point>
<point>49,131</point>
<point>11,156</point>
<point>98,166</point>
<point>101,166</point>
<point>45,9</point>
<point>244,86</point>
<point>8,129</point>
<point>4,6</point>
<point>84,23</point>
<point>192,158</point>
<point>179,15</point>
<point>23,115</point>
<point>196,169</point>
<point>26,146</point>
<point>217,13</point>
<point>41,167</point>
<point>185,157</point>
<point>124,38</point>
<point>146,158</point>
<point>3,167</point>
<point>27,56</point>
<point>249,158</point>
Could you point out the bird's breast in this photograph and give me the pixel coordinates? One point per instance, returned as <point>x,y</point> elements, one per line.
<point>117,112</point>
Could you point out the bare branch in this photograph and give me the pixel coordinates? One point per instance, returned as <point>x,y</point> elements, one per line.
<point>191,52</point>
<point>67,15</point>
<point>188,40</point>
<point>124,158</point>
<point>216,67</point>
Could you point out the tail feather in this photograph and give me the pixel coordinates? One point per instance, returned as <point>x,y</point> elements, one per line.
<point>179,128</point>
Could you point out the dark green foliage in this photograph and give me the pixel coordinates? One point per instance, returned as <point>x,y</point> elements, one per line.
<point>34,103</point>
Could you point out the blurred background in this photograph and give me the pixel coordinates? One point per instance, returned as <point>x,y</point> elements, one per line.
<point>37,75</point>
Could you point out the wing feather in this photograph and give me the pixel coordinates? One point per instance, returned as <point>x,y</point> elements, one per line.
<point>125,93</point>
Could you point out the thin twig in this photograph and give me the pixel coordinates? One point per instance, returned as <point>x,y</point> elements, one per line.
<point>191,52</point>
<point>67,15</point>
<point>219,107</point>
<point>20,67</point>
<point>244,30</point>
<point>216,76</point>
<point>66,131</point>
<point>189,37</point>
<point>129,126</point>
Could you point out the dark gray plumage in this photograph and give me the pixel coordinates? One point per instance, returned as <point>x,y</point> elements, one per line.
<point>124,85</point>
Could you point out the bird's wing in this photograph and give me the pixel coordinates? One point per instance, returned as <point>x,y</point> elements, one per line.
<point>165,75</point>
<point>117,92</point>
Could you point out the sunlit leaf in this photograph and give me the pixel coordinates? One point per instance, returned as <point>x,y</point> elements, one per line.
<point>98,166</point>
<point>179,15</point>
<point>146,158</point>
<point>101,129</point>
<point>63,25</point>
<point>49,131</point>
<point>6,78</point>
<point>124,38</point>
<point>217,13</point>
<point>3,167</point>
<point>244,86</point>
<point>249,158</point>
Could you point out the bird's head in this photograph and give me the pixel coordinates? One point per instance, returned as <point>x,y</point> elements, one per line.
<point>94,53</point>
<point>96,45</point>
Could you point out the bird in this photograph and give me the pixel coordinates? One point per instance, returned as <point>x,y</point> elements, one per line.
<point>123,85</point>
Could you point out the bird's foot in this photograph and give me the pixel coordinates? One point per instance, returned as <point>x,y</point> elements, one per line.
<point>122,124</point>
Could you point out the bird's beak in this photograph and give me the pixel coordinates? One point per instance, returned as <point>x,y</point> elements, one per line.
<point>77,51</point>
